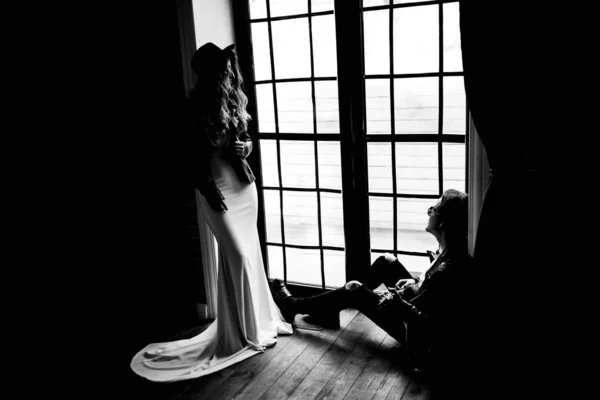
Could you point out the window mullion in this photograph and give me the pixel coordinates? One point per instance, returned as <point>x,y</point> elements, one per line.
<point>314,109</point>
<point>244,50</point>
<point>393,132</point>
<point>277,141</point>
<point>441,100</point>
<point>353,141</point>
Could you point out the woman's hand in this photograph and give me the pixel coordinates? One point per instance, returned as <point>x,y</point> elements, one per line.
<point>240,149</point>
<point>404,283</point>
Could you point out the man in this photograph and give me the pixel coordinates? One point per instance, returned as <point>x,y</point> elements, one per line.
<point>423,313</point>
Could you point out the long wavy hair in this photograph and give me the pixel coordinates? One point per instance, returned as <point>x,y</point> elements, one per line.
<point>220,97</point>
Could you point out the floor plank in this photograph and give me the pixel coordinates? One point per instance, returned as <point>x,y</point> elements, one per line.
<point>393,386</point>
<point>357,362</point>
<point>345,376</point>
<point>261,382</point>
<point>303,365</point>
<point>230,380</point>
<point>372,378</point>
<point>417,390</point>
<point>335,355</point>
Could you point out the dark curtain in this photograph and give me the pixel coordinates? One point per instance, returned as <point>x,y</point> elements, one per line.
<point>506,58</point>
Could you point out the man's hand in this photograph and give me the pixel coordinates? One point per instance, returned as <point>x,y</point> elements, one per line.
<point>404,283</point>
<point>240,148</point>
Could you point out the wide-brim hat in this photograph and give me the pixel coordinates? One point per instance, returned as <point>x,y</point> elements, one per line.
<point>210,58</point>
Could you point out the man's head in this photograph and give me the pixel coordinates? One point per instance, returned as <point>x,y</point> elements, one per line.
<point>450,217</point>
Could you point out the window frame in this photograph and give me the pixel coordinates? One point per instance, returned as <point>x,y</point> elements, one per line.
<point>353,136</point>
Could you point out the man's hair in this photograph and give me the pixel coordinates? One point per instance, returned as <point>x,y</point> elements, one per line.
<point>454,213</point>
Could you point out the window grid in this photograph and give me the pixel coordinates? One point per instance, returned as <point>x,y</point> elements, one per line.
<point>392,138</point>
<point>392,128</point>
<point>294,16</point>
<point>440,99</point>
<point>405,5</point>
<point>297,189</point>
<point>288,80</point>
<point>314,108</point>
<point>440,138</point>
<point>277,143</point>
<point>315,137</point>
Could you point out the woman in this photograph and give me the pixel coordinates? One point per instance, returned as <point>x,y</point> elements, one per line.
<point>248,319</point>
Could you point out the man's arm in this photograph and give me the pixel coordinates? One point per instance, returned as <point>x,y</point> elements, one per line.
<point>432,299</point>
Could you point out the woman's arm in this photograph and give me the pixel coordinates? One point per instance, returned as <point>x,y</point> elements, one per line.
<point>199,155</point>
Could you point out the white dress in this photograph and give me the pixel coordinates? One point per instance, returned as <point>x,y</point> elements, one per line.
<point>248,320</point>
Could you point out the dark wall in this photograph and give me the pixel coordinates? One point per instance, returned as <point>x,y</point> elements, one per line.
<point>146,199</point>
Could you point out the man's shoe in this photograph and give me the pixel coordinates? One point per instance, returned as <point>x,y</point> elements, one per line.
<point>283,298</point>
<point>328,319</point>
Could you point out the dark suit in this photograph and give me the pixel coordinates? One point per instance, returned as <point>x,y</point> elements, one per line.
<point>428,317</point>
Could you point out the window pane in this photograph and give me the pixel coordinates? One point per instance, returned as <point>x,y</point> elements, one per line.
<point>262,54</point>
<point>416,265</point>
<point>325,59</point>
<point>452,46</point>
<point>330,170</point>
<point>416,104</point>
<point>416,39</point>
<point>300,218</point>
<point>291,48</point>
<point>380,167</point>
<point>417,168</point>
<point>332,219</point>
<point>321,5</point>
<point>327,106</point>
<point>275,254</point>
<point>381,220</point>
<point>265,106</point>
<point>454,158</point>
<point>294,106</point>
<point>268,156</point>
<point>335,268</point>
<point>304,266</point>
<point>273,215</point>
<point>375,255</point>
<point>298,164</point>
<point>455,106</point>
<point>288,7</point>
<point>258,9</point>
<point>373,3</point>
<point>377,93</point>
<point>412,221</point>
<point>406,1</point>
<point>377,41</point>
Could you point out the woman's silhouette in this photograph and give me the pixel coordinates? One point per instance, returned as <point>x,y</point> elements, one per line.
<point>248,319</point>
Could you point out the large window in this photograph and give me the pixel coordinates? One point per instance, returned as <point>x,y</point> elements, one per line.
<point>414,114</point>
<point>416,120</point>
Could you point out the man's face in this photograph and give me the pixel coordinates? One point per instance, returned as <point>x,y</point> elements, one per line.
<point>433,224</point>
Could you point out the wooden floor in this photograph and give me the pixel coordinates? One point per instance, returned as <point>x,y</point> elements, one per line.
<point>359,361</point>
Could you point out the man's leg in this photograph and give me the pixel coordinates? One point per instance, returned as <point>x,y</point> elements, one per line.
<point>325,306</point>
<point>367,302</point>
<point>387,270</point>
